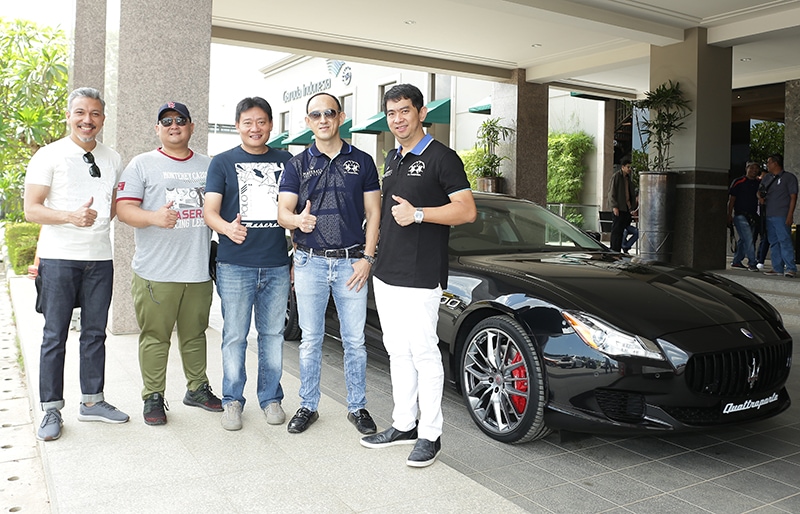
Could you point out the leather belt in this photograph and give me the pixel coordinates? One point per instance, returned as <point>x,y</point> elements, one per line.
<point>354,252</point>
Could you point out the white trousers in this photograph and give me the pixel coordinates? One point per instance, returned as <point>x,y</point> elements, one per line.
<point>409,316</point>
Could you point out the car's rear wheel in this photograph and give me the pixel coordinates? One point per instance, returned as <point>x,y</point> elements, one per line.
<point>291,329</point>
<point>502,381</point>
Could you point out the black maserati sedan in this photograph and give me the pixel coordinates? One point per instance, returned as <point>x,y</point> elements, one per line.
<point>543,328</point>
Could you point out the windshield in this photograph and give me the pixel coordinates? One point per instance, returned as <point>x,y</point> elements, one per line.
<point>509,225</point>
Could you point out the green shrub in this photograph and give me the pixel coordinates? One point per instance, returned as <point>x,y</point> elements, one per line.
<point>565,168</point>
<point>21,239</point>
<point>472,158</point>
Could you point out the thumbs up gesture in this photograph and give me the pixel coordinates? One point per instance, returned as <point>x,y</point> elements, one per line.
<point>84,216</point>
<point>305,220</point>
<point>166,217</point>
<point>236,232</point>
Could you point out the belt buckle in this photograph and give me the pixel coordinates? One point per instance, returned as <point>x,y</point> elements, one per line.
<point>331,254</point>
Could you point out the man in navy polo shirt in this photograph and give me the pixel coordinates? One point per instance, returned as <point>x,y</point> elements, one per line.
<point>326,193</point>
<point>425,191</point>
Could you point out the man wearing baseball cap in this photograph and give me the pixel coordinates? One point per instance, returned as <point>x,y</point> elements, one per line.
<point>161,195</point>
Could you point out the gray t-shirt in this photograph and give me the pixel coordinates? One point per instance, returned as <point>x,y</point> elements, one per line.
<point>780,187</point>
<point>179,254</point>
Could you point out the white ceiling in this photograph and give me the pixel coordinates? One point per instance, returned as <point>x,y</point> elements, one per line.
<point>593,44</point>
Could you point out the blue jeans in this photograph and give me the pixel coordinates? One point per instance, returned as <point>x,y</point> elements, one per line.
<point>63,281</point>
<point>315,278</point>
<point>763,245</point>
<point>744,246</point>
<point>780,239</point>
<point>243,290</point>
<point>629,236</point>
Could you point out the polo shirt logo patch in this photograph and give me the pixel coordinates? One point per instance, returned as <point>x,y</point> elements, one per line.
<point>351,167</point>
<point>416,169</point>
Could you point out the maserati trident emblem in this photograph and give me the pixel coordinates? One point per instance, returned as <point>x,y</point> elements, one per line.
<point>747,333</point>
<point>752,373</point>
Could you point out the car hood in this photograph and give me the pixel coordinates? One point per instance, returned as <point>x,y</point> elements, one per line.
<point>636,297</point>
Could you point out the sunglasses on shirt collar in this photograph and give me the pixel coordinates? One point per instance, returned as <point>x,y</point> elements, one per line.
<point>94,170</point>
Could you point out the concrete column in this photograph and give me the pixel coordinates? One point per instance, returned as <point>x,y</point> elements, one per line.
<point>88,51</point>
<point>605,150</point>
<point>524,107</point>
<point>791,135</point>
<point>158,51</point>
<point>701,151</point>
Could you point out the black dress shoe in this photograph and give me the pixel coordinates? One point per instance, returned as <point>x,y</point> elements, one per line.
<point>424,453</point>
<point>390,437</point>
<point>363,421</point>
<point>302,420</point>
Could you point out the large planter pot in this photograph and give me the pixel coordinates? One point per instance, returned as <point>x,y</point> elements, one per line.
<point>657,199</point>
<point>490,184</point>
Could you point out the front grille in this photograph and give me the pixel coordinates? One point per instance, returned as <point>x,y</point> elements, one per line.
<point>621,406</point>
<point>695,415</point>
<point>731,373</point>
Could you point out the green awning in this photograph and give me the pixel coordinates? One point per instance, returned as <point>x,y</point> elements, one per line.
<point>303,138</point>
<point>374,125</point>
<point>277,141</point>
<point>438,111</point>
<point>344,129</point>
<point>482,107</point>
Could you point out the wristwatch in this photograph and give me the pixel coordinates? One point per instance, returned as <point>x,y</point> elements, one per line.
<point>418,215</point>
<point>369,258</point>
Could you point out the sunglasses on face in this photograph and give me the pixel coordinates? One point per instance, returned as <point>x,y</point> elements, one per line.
<point>328,113</point>
<point>94,171</point>
<point>167,122</point>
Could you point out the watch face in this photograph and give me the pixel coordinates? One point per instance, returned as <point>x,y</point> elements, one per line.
<point>418,215</point>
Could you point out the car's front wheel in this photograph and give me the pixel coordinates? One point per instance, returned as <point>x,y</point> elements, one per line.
<point>502,381</point>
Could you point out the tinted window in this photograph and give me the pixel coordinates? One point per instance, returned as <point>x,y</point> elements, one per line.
<point>505,225</point>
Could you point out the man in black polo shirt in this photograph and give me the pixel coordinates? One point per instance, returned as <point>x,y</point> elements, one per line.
<point>425,191</point>
<point>743,214</point>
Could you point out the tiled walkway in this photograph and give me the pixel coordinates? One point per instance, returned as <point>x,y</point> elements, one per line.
<point>192,464</point>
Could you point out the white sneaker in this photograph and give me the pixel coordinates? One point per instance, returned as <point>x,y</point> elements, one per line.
<point>232,416</point>
<point>274,413</point>
<point>760,265</point>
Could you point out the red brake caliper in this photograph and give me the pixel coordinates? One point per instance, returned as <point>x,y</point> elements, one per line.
<point>519,401</point>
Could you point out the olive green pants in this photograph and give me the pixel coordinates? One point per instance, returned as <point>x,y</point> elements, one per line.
<point>160,306</point>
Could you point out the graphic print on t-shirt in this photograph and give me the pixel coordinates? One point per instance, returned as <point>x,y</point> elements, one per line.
<point>188,203</point>
<point>186,197</point>
<point>258,190</point>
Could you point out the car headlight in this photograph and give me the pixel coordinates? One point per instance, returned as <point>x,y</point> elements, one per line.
<point>609,340</point>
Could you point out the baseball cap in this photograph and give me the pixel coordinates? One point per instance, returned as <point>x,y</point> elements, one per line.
<point>174,106</point>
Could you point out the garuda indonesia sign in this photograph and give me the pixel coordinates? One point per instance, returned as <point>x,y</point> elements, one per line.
<point>338,69</point>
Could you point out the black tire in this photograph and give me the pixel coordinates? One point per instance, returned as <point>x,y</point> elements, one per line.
<point>502,384</point>
<point>291,329</point>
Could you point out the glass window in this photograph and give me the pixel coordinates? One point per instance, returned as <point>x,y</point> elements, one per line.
<point>347,105</point>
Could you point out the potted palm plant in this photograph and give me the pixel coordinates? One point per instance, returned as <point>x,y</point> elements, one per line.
<point>657,184</point>
<point>487,168</point>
